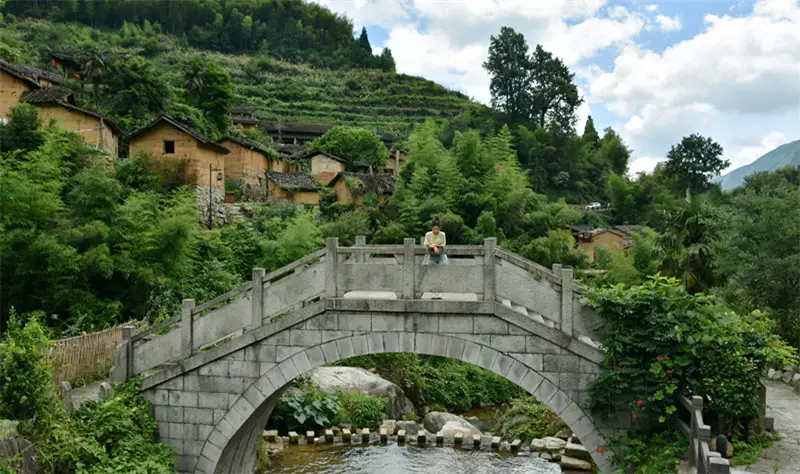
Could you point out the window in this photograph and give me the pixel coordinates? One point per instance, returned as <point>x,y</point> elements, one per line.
<point>169,147</point>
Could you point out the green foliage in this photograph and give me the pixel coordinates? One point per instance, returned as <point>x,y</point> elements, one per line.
<point>357,145</point>
<point>26,390</point>
<point>527,419</point>
<point>694,161</point>
<point>209,88</point>
<point>346,227</point>
<point>648,454</point>
<point>311,410</point>
<point>411,416</point>
<point>364,411</point>
<point>557,247</point>
<point>662,341</point>
<point>22,131</point>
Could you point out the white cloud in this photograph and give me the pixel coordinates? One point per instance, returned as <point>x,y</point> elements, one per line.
<point>715,83</point>
<point>666,23</point>
<point>651,7</point>
<point>748,154</point>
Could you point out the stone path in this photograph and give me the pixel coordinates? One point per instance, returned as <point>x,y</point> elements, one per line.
<point>783,457</point>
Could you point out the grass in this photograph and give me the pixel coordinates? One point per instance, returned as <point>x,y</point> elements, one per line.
<point>746,454</point>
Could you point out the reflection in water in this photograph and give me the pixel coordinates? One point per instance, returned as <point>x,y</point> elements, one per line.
<point>393,459</point>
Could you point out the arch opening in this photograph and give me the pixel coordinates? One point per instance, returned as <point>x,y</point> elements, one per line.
<point>231,446</point>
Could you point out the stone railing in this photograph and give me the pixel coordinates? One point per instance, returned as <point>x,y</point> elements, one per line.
<point>477,273</point>
<point>698,433</point>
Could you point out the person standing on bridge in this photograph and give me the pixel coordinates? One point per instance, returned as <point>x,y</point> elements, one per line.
<point>435,241</point>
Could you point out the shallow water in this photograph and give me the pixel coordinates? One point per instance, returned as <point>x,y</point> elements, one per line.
<point>409,459</point>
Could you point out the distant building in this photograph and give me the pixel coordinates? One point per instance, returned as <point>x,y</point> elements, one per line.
<point>588,239</point>
<point>168,139</point>
<point>397,159</point>
<point>57,103</point>
<point>323,166</point>
<point>382,184</point>
<point>299,187</point>
<point>247,162</point>
<point>17,79</point>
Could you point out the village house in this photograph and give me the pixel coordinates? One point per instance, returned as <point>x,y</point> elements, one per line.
<point>323,166</point>
<point>298,187</point>
<point>247,164</point>
<point>588,239</point>
<point>57,103</point>
<point>350,188</point>
<point>168,139</point>
<point>17,79</point>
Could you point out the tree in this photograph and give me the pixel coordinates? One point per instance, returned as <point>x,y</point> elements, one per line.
<point>590,136</point>
<point>510,69</point>
<point>209,88</point>
<point>386,60</point>
<point>554,97</point>
<point>614,152</point>
<point>136,91</point>
<point>694,161</point>
<point>22,131</point>
<point>357,145</point>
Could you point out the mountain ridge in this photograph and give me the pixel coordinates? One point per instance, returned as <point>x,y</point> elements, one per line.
<point>787,154</point>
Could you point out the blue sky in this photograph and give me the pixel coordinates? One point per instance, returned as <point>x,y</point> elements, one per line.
<point>654,71</point>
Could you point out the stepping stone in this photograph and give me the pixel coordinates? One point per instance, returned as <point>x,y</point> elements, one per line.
<point>309,436</point>
<point>476,441</point>
<point>365,435</point>
<point>271,436</point>
<point>384,436</point>
<point>458,439</point>
<point>293,437</point>
<point>439,439</point>
<point>421,439</point>
<point>329,436</point>
<point>346,436</point>
<point>401,436</point>
<point>515,445</point>
<point>495,442</point>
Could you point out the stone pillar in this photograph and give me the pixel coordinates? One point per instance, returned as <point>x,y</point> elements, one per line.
<point>127,354</point>
<point>187,306</point>
<point>566,301</point>
<point>408,269</point>
<point>489,285</point>
<point>331,267</point>
<point>257,294</point>
<point>359,256</point>
<point>557,267</point>
<point>396,163</point>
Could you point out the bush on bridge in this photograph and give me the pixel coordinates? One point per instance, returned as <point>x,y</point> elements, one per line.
<point>661,341</point>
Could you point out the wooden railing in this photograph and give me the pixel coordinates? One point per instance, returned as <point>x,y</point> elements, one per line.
<point>698,433</point>
<point>87,357</point>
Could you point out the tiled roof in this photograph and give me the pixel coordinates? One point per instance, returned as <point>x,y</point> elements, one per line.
<point>381,184</point>
<point>247,144</point>
<point>303,181</point>
<point>314,152</point>
<point>30,73</point>
<point>184,128</point>
<point>47,95</point>
<point>291,150</point>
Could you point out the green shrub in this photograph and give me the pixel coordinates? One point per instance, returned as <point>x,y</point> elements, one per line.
<point>649,454</point>
<point>311,410</point>
<point>363,410</point>
<point>411,416</point>
<point>527,419</point>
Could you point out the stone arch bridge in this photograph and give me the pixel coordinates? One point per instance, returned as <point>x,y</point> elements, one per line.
<point>215,372</point>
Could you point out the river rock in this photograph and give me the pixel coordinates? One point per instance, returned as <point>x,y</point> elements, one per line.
<point>773,374</point>
<point>357,380</point>
<point>411,427</point>
<point>568,462</point>
<point>553,445</point>
<point>12,445</point>
<point>390,426</point>
<point>452,428</point>
<point>577,451</point>
<point>564,434</point>
<point>436,420</point>
<point>729,446</point>
<point>537,445</point>
<point>787,377</point>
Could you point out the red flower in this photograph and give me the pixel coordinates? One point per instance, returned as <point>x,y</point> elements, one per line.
<point>602,450</point>
<point>671,371</point>
<point>640,403</point>
<point>617,368</point>
<point>76,76</point>
<point>53,63</point>
<point>634,416</point>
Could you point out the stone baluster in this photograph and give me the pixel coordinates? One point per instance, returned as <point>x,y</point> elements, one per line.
<point>187,327</point>
<point>331,267</point>
<point>257,314</point>
<point>489,285</point>
<point>567,291</point>
<point>409,269</point>
<point>359,256</point>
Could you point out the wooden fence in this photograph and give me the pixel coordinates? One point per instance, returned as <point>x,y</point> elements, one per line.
<point>698,433</point>
<point>88,357</point>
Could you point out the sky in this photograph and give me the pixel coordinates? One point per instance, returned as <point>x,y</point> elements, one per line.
<point>653,71</point>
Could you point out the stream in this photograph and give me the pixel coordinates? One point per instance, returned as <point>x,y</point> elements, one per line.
<point>394,459</point>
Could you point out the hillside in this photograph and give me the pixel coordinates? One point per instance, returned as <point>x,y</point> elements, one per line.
<point>272,89</point>
<point>785,155</point>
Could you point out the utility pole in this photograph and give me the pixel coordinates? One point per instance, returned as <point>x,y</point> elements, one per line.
<point>210,200</point>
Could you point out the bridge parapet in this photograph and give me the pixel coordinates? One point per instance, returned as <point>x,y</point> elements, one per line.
<point>478,273</point>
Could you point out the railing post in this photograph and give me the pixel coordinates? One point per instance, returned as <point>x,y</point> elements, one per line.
<point>408,269</point>
<point>699,434</point>
<point>358,256</point>
<point>331,266</point>
<point>489,286</point>
<point>127,335</point>
<point>187,306</point>
<point>557,267</point>
<point>566,301</point>
<point>257,313</point>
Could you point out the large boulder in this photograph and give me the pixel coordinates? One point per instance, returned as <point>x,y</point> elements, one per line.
<point>357,380</point>
<point>436,420</point>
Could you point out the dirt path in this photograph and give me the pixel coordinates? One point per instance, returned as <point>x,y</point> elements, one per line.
<point>783,457</point>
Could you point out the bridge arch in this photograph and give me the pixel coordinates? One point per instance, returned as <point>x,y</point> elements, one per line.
<point>231,445</point>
